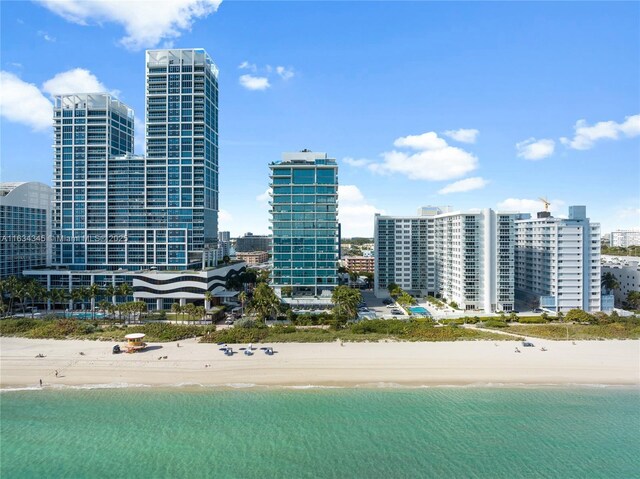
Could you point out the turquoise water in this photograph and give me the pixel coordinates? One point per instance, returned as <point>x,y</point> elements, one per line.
<point>324,433</point>
<point>84,315</point>
<point>419,310</point>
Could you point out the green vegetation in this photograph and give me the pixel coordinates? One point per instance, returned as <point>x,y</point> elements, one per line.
<point>619,330</point>
<point>374,330</point>
<point>620,251</point>
<point>435,302</point>
<point>79,329</point>
<point>265,304</point>
<point>346,301</point>
<point>578,325</point>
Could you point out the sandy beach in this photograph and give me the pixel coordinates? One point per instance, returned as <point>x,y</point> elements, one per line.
<point>298,364</point>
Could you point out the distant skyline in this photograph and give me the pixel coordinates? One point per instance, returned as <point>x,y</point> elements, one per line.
<point>473,105</point>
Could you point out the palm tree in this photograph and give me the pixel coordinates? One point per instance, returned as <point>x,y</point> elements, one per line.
<point>190,309</point>
<point>94,291</point>
<point>242,297</point>
<point>176,309</point>
<point>200,312</point>
<point>346,301</point>
<point>33,291</point>
<point>111,292</point>
<point>265,303</point>
<point>13,287</point>
<point>124,290</point>
<point>208,296</point>
<point>609,282</point>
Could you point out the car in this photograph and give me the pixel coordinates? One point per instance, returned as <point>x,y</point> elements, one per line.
<point>391,305</point>
<point>538,310</point>
<point>527,344</point>
<point>396,313</point>
<point>387,301</point>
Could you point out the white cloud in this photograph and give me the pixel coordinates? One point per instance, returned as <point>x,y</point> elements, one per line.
<point>426,141</point>
<point>77,80</point>
<point>532,149</point>
<point>264,197</point>
<point>356,162</point>
<point>434,159</point>
<point>251,82</point>
<point>523,205</point>
<point>463,135</point>
<point>355,213</point>
<point>146,23</point>
<point>468,184</point>
<point>23,102</point>
<point>285,73</point>
<point>46,36</point>
<point>586,136</point>
<point>245,65</point>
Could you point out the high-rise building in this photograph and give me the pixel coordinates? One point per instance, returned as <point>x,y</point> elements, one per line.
<point>475,259</point>
<point>89,130</point>
<point>558,261</point>
<point>624,238</point>
<point>182,152</point>
<point>304,223</point>
<point>466,257</point>
<point>25,227</point>
<point>405,253</point>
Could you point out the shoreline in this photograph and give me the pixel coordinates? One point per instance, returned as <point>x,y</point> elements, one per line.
<point>480,364</point>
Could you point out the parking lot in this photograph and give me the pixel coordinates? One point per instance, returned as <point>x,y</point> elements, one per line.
<point>376,306</point>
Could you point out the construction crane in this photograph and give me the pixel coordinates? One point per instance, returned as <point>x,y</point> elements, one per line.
<point>546,203</point>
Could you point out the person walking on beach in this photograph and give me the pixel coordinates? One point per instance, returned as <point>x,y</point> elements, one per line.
<point>56,373</point>
<point>41,383</point>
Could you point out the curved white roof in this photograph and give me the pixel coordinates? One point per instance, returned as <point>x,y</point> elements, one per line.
<point>134,336</point>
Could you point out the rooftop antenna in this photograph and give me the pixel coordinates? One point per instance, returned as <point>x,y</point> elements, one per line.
<point>546,203</point>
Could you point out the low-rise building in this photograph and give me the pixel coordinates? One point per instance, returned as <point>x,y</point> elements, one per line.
<point>253,257</point>
<point>250,242</point>
<point>360,264</point>
<point>626,270</point>
<point>624,238</point>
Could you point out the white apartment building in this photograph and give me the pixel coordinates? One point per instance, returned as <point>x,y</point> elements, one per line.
<point>626,269</point>
<point>558,261</point>
<point>625,238</point>
<point>466,257</point>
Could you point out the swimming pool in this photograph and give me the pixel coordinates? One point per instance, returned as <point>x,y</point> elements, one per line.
<point>84,315</point>
<point>419,310</point>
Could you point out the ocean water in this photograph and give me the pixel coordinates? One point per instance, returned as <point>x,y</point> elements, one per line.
<point>325,433</point>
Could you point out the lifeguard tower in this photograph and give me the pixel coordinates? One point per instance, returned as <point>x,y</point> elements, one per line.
<point>135,342</point>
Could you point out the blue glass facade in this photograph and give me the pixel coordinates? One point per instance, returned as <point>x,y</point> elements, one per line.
<point>182,151</point>
<point>304,222</point>
<point>89,130</point>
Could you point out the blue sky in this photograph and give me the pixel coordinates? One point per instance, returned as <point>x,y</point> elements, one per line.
<point>472,105</point>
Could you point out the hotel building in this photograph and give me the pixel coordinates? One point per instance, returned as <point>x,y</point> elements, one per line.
<point>25,227</point>
<point>558,262</point>
<point>250,242</point>
<point>466,257</point>
<point>359,264</point>
<point>87,227</point>
<point>116,213</point>
<point>624,238</point>
<point>304,223</point>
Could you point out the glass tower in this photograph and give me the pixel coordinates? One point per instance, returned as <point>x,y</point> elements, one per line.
<point>181,163</point>
<point>89,130</point>
<point>305,223</point>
